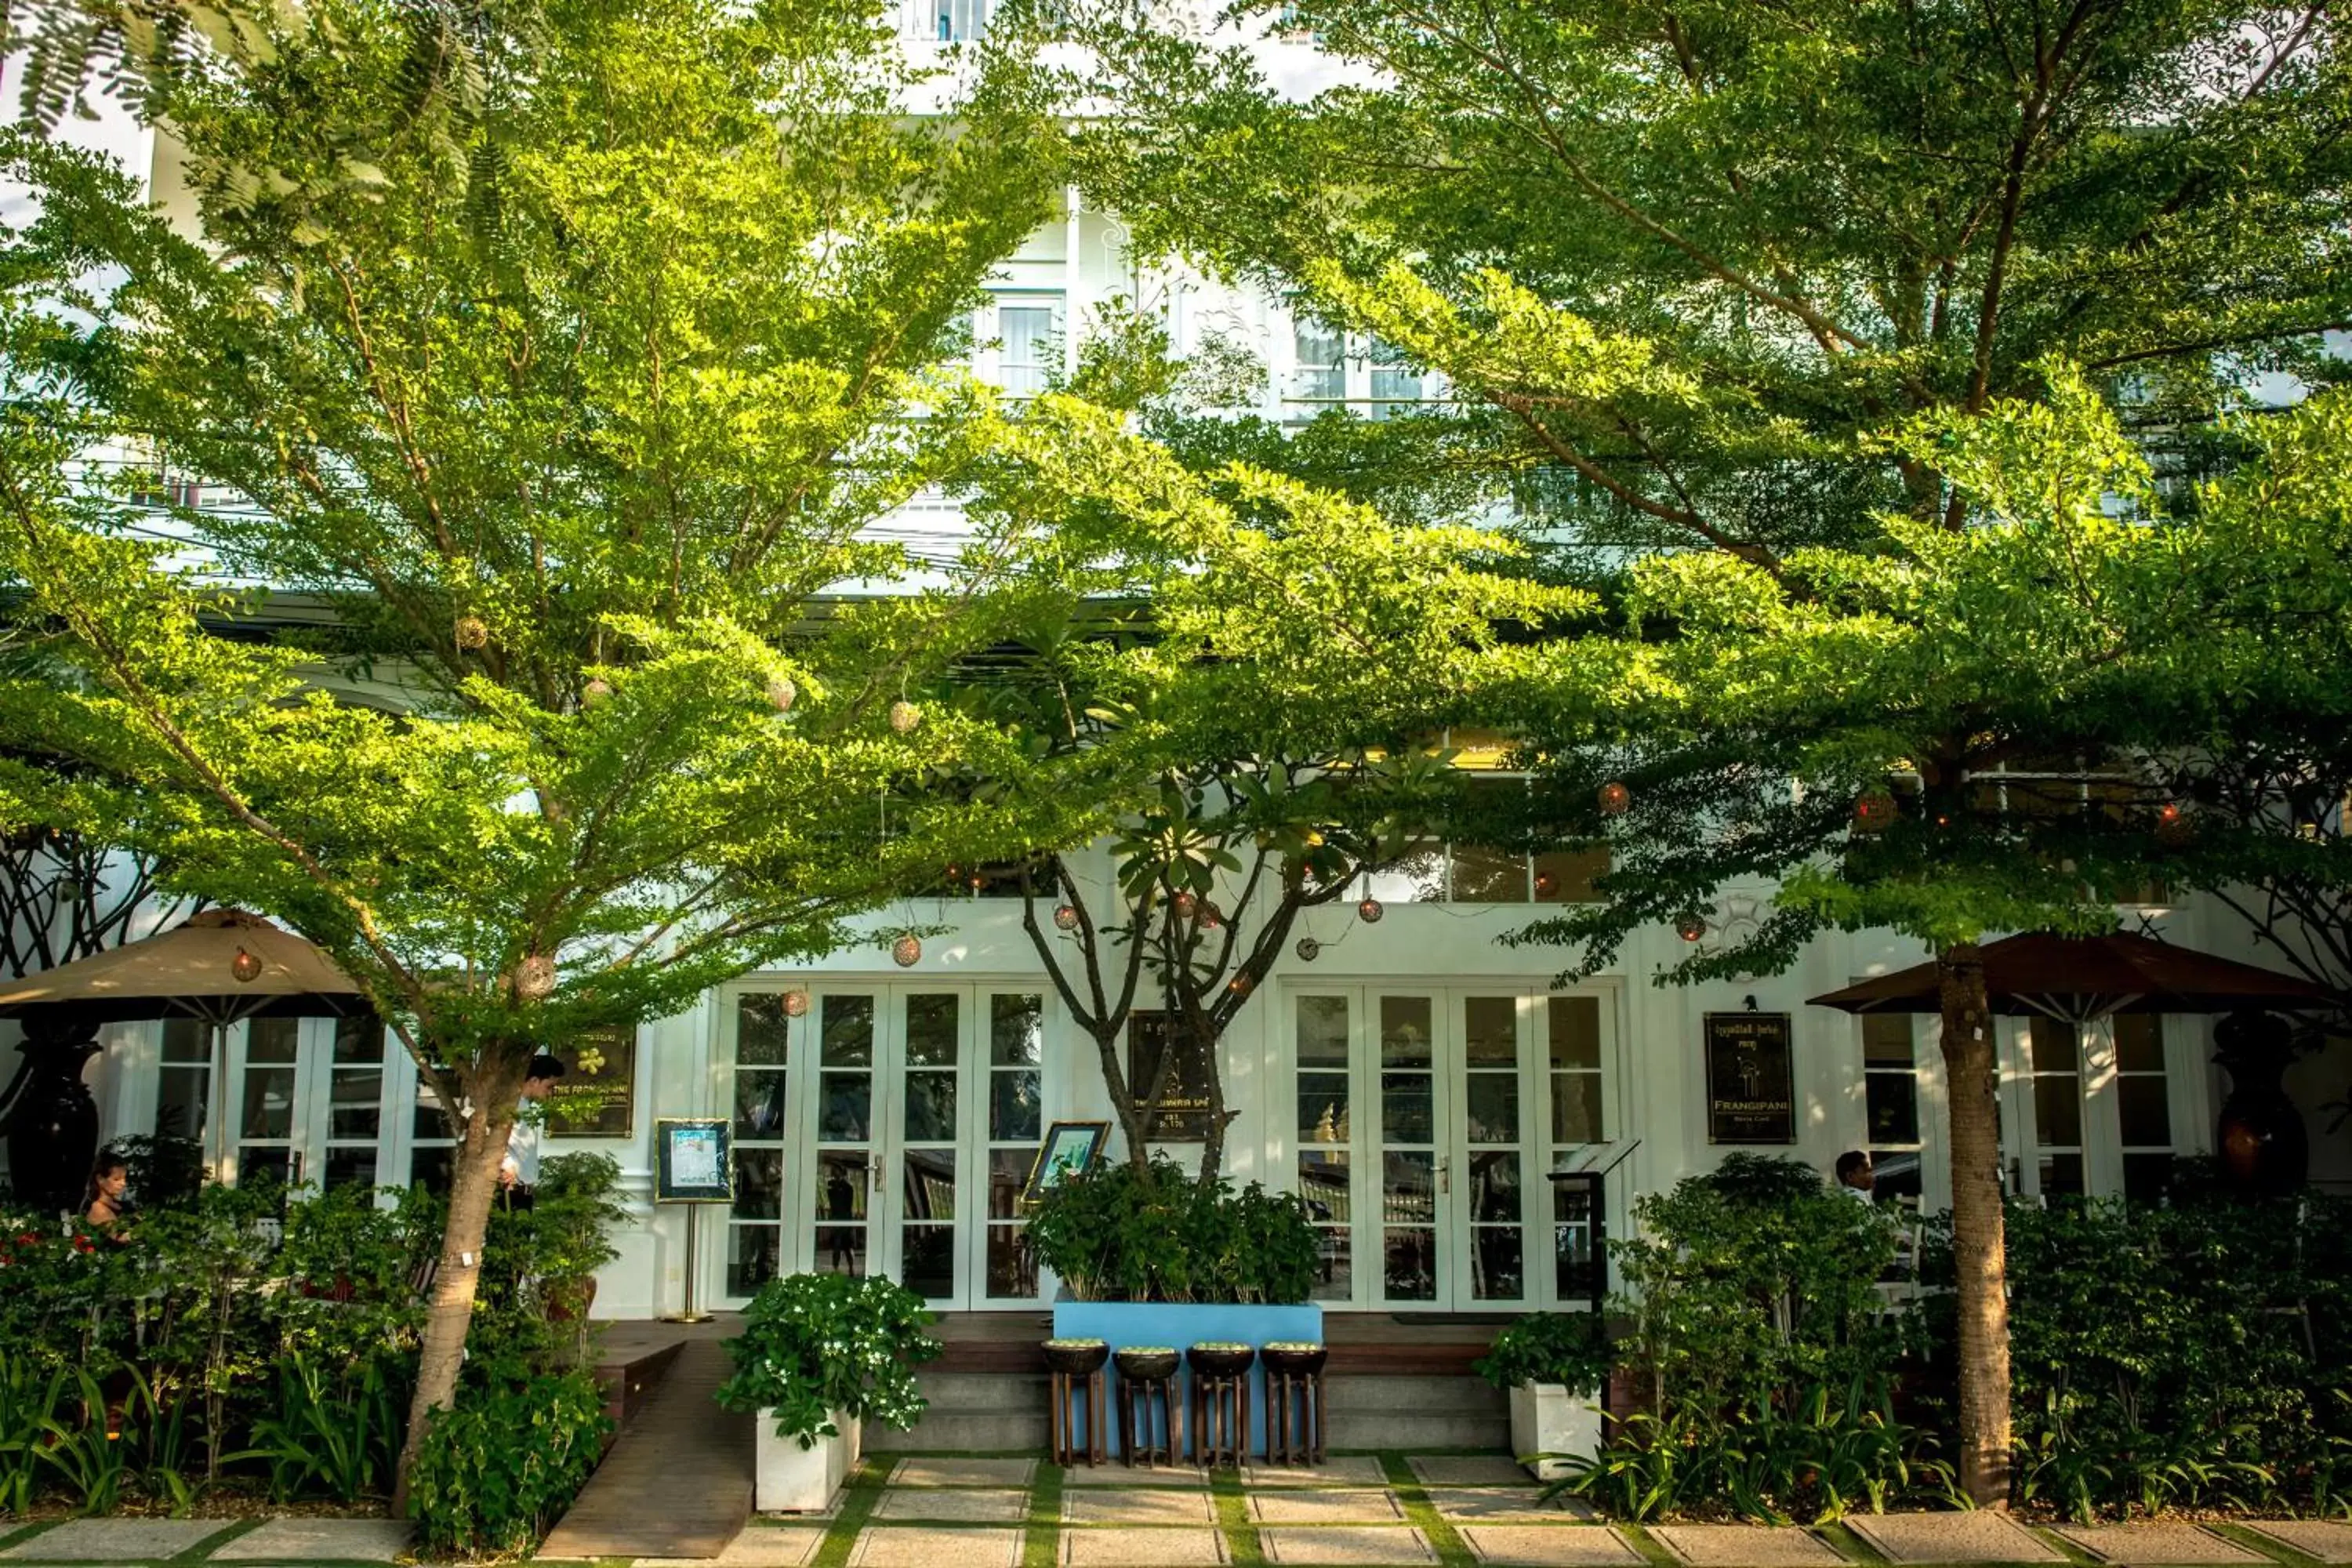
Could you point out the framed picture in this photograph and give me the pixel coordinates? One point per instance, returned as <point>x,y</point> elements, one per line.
<point>1070,1149</point>
<point>1750,1079</point>
<point>598,1098</point>
<point>693,1160</point>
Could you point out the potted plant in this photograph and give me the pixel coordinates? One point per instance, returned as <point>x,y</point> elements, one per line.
<point>819,1355</point>
<point>1553,1366</point>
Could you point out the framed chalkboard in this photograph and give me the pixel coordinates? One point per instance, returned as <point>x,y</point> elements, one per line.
<point>1751,1081</point>
<point>693,1160</point>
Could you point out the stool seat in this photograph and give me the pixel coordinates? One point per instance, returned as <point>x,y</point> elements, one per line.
<point>1221,1402</point>
<point>1149,1407</point>
<point>1076,1374</point>
<point>1294,1395</point>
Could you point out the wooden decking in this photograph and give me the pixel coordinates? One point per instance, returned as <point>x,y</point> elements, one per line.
<point>677,1483</point>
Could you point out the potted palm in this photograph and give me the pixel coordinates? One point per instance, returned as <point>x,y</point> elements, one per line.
<point>1553,1366</point>
<point>819,1355</point>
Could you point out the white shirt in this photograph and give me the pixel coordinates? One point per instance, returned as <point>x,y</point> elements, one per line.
<point>1860,1195</point>
<point>523,1152</point>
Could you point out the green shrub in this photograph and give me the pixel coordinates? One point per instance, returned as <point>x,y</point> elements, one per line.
<point>1158,1234</point>
<point>815,1343</point>
<point>494,1472</point>
<point>1569,1348</point>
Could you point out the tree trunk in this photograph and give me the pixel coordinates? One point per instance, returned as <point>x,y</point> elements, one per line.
<point>473,1189</point>
<point>1978,1243</point>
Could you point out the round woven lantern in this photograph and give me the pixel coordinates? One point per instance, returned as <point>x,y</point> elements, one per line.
<point>904,717</point>
<point>907,951</point>
<point>1615,798</point>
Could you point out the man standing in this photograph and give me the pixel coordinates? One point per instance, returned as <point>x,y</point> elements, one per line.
<point>518,1172</point>
<point>1854,1176</point>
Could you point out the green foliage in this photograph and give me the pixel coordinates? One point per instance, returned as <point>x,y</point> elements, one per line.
<point>1154,1233</point>
<point>2189,1356</point>
<point>1567,1348</point>
<point>333,1434</point>
<point>496,1471</point>
<point>1818,1457</point>
<point>814,1346</point>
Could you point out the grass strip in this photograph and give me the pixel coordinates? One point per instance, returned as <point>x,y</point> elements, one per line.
<point>857,1500</point>
<point>1453,1552</point>
<point>1042,1547</point>
<point>1241,1544</point>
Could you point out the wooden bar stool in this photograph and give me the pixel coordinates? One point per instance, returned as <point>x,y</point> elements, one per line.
<point>1150,1416</point>
<point>1076,1366</point>
<point>1294,1401</point>
<point>1220,1402</point>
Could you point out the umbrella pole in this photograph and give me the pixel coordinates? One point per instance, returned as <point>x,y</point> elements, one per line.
<point>218,1120</point>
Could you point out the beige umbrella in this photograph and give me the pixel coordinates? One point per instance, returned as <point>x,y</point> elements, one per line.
<point>222,966</point>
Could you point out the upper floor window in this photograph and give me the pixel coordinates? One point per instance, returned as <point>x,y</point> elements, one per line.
<point>1318,366</point>
<point>1332,368</point>
<point>1022,343</point>
<point>1465,873</point>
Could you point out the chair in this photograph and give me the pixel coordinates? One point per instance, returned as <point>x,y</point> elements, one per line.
<point>1220,1402</point>
<point>1150,1416</point>
<point>1076,1366</point>
<point>1294,1401</point>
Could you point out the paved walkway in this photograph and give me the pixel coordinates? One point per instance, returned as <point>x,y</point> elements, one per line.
<point>1359,1512</point>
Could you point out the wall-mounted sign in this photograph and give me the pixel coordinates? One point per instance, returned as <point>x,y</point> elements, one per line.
<point>1751,1083</point>
<point>597,1096</point>
<point>692,1161</point>
<point>1184,1100</point>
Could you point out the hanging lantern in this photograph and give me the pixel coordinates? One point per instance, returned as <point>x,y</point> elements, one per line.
<point>781,693</point>
<point>1239,984</point>
<point>2172,824</point>
<point>1210,918</point>
<point>905,716</point>
<point>1875,812</point>
<point>246,967</point>
<point>1066,917</point>
<point>908,950</point>
<point>1615,799</point>
<point>472,633</point>
<point>596,691</point>
<point>535,976</point>
<point>1690,927</point>
<point>796,1004</point>
<point>1185,905</point>
<point>1370,911</point>
<point>1545,884</point>
<point>1309,949</point>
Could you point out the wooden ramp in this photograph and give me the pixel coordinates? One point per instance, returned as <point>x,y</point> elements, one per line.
<point>677,1483</point>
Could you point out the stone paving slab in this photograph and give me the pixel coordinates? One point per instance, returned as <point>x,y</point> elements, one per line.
<point>1744,1546</point>
<point>1353,1544</point>
<point>1549,1546</point>
<point>1140,1476</point>
<point>1470,1470</point>
<point>2324,1539</point>
<point>904,1548</point>
<point>319,1540</point>
<point>1353,1505</point>
<point>1165,1507</point>
<point>1457,1503</point>
<point>1146,1548</point>
<point>2157,1545</point>
<point>115,1540</point>
<point>757,1546</point>
<point>961,1472</point>
<point>1973,1537</point>
<point>960,1505</point>
<point>1346,1470</point>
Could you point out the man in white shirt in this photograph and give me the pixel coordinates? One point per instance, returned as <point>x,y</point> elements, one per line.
<point>1854,1176</point>
<point>518,1172</point>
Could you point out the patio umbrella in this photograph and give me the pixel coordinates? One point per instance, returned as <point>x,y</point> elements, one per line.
<point>2079,978</point>
<point>221,967</point>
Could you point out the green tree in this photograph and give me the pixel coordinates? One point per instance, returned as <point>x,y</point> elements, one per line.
<point>1687,270</point>
<point>559,379</point>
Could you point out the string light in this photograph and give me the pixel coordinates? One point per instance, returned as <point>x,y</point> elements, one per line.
<point>534,976</point>
<point>246,967</point>
<point>1370,911</point>
<point>905,716</point>
<point>1690,927</point>
<point>796,1004</point>
<point>908,950</point>
<point>1066,917</point>
<point>782,693</point>
<point>472,633</point>
<point>1615,798</point>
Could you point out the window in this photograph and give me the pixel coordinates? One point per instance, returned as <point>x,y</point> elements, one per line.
<point>185,1084</point>
<point>1395,387</point>
<point>1576,1105</point>
<point>1467,873</point>
<point>1890,1079</point>
<point>1318,374</point>
<point>2142,1105</point>
<point>762,1049</point>
<point>1323,1131</point>
<point>2055,1064</point>
<point>1016,1058</point>
<point>1028,344</point>
<point>354,1102</point>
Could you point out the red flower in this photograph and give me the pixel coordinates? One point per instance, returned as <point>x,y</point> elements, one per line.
<point>26,1238</point>
<point>83,1244</point>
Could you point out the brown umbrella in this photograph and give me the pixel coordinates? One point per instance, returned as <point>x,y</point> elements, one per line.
<point>2078,978</point>
<point>222,966</point>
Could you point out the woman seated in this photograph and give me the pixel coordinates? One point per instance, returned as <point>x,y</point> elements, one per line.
<point>107,1206</point>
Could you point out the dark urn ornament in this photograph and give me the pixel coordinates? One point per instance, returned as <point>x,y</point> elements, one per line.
<point>2264,1150</point>
<point>48,1113</point>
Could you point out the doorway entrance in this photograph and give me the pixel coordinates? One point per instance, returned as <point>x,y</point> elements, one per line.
<point>306,1100</point>
<point>885,1130</point>
<point>1430,1123</point>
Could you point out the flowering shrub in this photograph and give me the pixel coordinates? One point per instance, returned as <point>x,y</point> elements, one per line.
<point>815,1343</point>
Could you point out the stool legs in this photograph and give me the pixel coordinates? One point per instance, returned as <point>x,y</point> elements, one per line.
<point>1294,1431</point>
<point>1144,1405</point>
<point>1063,1388</point>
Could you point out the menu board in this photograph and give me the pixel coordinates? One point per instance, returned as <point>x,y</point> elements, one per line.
<point>1751,1086</point>
<point>691,1163</point>
<point>1184,1101</point>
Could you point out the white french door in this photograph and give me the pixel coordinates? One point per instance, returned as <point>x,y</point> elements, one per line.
<point>2100,1108</point>
<point>307,1101</point>
<point>1428,1123</point>
<point>885,1130</point>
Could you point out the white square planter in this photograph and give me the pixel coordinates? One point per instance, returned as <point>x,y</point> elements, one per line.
<point>1546,1419</point>
<point>790,1479</point>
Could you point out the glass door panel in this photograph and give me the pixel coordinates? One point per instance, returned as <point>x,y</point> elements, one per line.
<point>930,1060</point>
<point>268,1087</point>
<point>1491,1206</point>
<point>1321,1136</point>
<point>1411,1267</point>
<point>1016,1121</point>
<point>843,1166</point>
<point>354,1115</point>
<point>755,1219</point>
